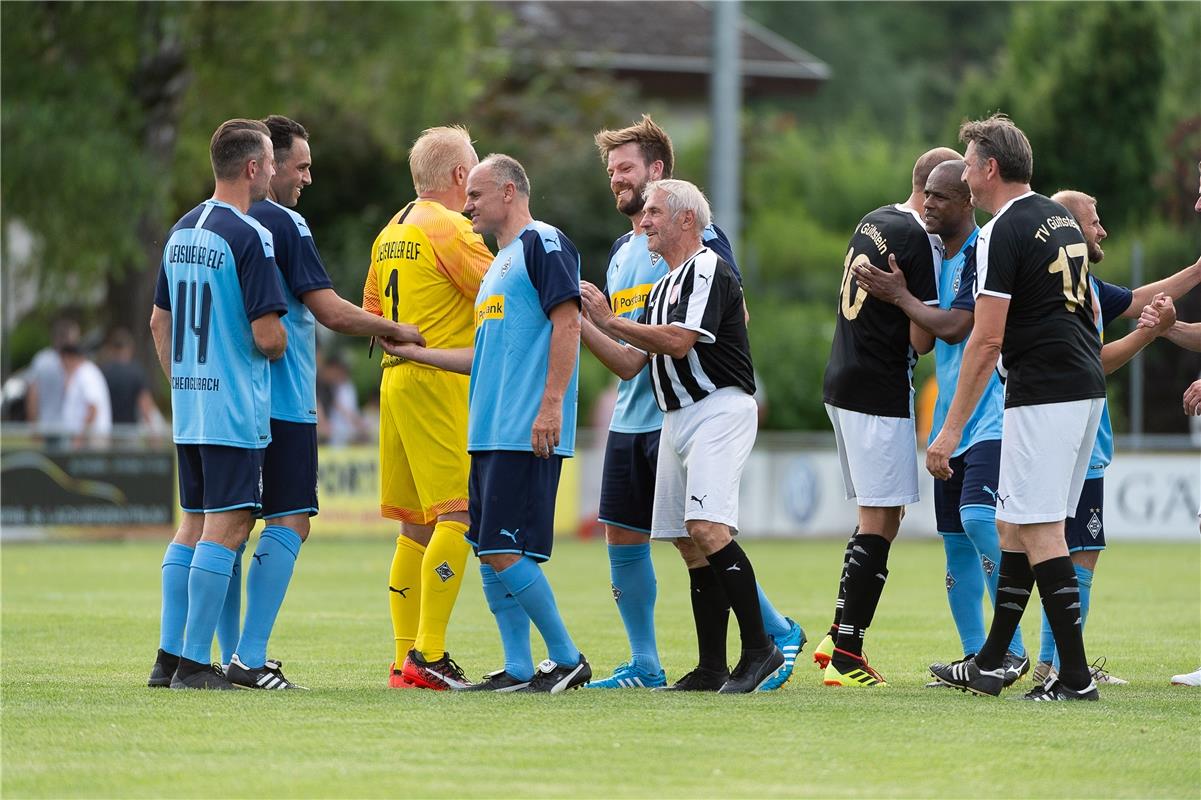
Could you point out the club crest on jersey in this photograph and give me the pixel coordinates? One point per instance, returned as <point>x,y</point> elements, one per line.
<point>655,258</point>
<point>505,267</point>
<point>675,295</point>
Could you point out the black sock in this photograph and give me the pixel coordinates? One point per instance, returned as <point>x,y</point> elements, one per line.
<point>1060,593</point>
<point>842,585</point>
<point>867,569</point>
<point>1013,593</point>
<point>737,577</point>
<point>711,615</point>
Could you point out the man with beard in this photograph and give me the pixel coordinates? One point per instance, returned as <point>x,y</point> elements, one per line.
<point>633,157</point>
<point>1085,532</point>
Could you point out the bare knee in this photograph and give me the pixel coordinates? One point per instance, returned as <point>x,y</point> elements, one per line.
<point>881,521</point>
<point>418,533</point>
<point>615,534</point>
<point>297,523</point>
<point>692,555</point>
<point>500,561</point>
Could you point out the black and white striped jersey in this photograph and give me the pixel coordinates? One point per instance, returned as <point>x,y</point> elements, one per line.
<point>702,295</point>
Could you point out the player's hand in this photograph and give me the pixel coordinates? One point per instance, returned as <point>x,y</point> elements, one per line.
<point>403,332</point>
<point>1192,400</point>
<point>887,286</point>
<point>594,304</point>
<point>410,351</point>
<point>544,435</point>
<point>938,455</point>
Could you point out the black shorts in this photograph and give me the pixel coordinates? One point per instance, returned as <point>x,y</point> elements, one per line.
<point>511,502</point>
<point>974,483</point>
<point>1086,530</point>
<point>290,470</point>
<point>627,495</point>
<point>215,478</point>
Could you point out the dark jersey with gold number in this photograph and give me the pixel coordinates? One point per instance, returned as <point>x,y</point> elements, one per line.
<point>871,360</point>
<point>1033,254</point>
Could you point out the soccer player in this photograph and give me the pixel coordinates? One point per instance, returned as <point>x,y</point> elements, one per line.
<point>524,369</point>
<point>633,157</point>
<point>965,505</point>
<point>216,323</point>
<point>693,334</point>
<point>868,396</point>
<point>1085,532</point>
<point>426,266</point>
<point>1034,310</point>
<point>290,463</point>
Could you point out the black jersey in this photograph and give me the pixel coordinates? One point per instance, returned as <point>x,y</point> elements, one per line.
<point>871,360</point>
<point>1033,254</point>
<point>702,295</point>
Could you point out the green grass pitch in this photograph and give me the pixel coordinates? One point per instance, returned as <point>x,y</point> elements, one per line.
<point>80,626</point>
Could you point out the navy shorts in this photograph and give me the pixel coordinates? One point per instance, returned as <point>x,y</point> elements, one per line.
<point>1086,530</point>
<point>627,495</point>
<point>974,483</point>
<point>511,502</point>
<point>215,478</point>
<point>290,470</point>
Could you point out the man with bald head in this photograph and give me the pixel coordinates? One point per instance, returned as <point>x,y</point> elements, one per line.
<point>868,396</point>
<point>1085,532</point>
<point>965,504</point>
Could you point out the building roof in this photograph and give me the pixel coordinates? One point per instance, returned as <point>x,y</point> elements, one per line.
<point>627,39</point>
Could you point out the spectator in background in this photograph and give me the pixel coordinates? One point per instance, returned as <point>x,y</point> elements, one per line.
<point>86,411</point>
<point>48,380</point>
<point>344,423</point>
<point>129,395</point>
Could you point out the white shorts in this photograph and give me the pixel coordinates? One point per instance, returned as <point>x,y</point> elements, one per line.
<point>702,450</point>
<point>1045,451</point>
<point>879,457</point>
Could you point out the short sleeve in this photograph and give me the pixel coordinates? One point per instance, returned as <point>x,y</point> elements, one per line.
<point>262,288</point>
<point>996,263</point>
<point>919,263</point>
<point>162,292</point>
<point>704,297</point>
<point>1114,300</point>
<point>467,263</point>
<point>305,271</point>
<point>716,240</point>
<point>555,274</point>
<point>965,298</point>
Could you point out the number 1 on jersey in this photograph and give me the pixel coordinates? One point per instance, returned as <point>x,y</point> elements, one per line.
<point>1077,294</point>
<point>392,292</point>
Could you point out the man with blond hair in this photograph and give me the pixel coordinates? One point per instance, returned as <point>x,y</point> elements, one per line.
<point>426,267</point>
<point>693,334</point>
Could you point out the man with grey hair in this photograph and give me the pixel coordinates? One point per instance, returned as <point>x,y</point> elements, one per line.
<point>521,421</point>
<point>693,333</point>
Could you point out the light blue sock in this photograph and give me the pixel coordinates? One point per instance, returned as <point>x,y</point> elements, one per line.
<point>529,586</point>
<point>208,581</point>
<point>634,588</point>
<point>176,563</point>
<point>1084,578</point>
<point>980,524</point>
<point>965,590</point>
<point>229,624</point>
<point>266,585</point>
<point>774,623</point>
<point>513,622</point>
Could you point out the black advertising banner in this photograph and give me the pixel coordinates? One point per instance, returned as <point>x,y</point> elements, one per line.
<point>126,487</point>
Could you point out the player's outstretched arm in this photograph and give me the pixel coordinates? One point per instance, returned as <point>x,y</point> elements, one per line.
<point>160,329</point>
<point>342,316</point>
<point>952,325</point>
<point>451,360</point>
<point>269,335</point>
<point>671,340</point>
<point>1115,354</point>
<point>622,360</point>
<point>1174,286</point>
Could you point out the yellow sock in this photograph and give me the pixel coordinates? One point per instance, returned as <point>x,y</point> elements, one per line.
<point>441,577</point>
<point>404,594</point>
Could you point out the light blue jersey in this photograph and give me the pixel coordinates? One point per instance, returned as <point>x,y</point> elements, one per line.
<point>217,275</point>
<point>955,290</point>
<point>537,271</point>
<point>632,271</point>
<point>1109,302</point>
<point>294,376</point>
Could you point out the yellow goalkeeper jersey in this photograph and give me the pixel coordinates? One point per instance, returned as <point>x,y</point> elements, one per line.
<point>426,268</point>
